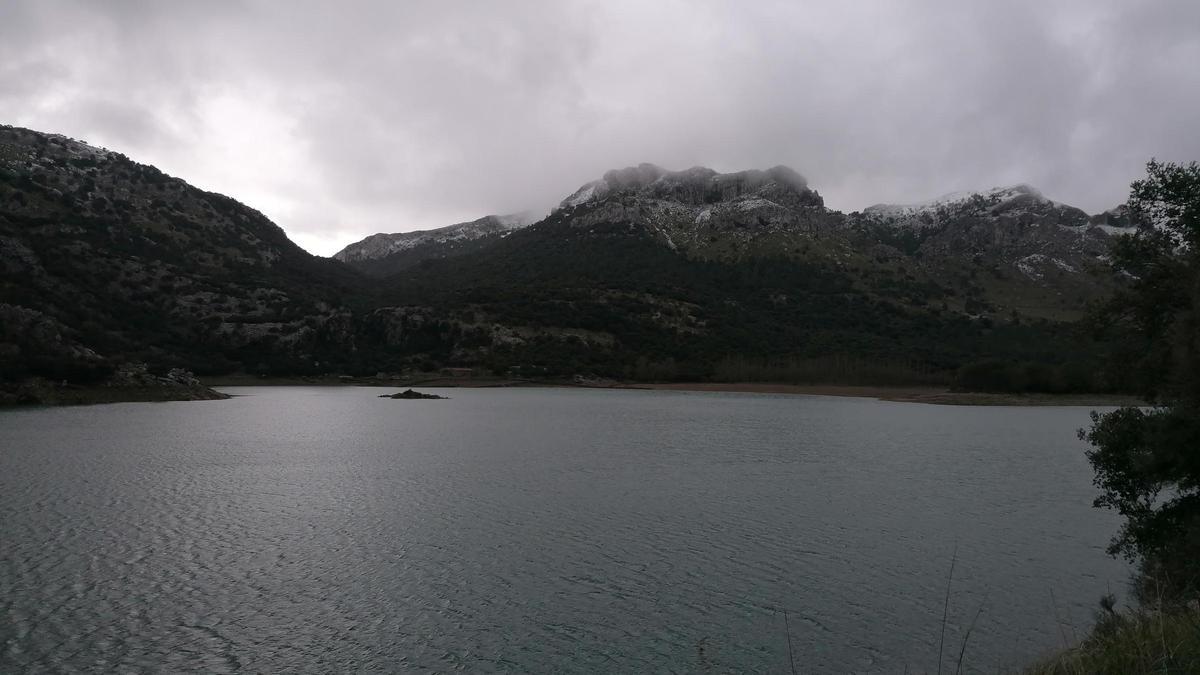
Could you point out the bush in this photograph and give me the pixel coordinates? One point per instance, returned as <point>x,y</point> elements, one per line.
<point>1132,643</point>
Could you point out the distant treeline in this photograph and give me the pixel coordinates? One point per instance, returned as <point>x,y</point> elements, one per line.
<point>994,375</point>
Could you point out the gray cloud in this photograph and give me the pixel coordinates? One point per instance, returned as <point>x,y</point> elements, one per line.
<point>342,119</point>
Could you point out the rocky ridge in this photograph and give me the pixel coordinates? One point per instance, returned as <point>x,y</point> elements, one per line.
<point>1034,253</point>
<point>381,245</point>
<point>1024,241</point>
<point>122,262</point>
<point>703,213</point>
<point>642,273</point>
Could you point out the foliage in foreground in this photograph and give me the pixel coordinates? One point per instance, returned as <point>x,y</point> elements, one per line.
<point>1133,643</point>
<point>1147,462</point>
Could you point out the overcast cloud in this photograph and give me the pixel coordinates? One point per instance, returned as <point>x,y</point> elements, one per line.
<point>341,119</point>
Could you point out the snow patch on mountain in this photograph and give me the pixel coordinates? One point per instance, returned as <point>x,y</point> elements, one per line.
<point>699,186</point>
<point>1063,265</point>
<point>382,245</point>
<point>751,203</point>
<point>998,195</point>
<point>1036,265</point>
<point>1029,266</point>
<point>589,191</point>
<point>1116,230</point>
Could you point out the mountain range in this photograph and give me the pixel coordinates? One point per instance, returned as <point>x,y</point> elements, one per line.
<point>642,274</point>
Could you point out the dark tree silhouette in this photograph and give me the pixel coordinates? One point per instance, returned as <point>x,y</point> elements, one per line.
<point>1147,460</point>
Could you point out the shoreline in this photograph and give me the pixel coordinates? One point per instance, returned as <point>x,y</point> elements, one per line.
<point>894,393</point>
<point>898,394</point>
<point>347,381</point>
<point>78,395</point>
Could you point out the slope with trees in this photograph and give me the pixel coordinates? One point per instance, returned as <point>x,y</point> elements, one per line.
<point>645,275</point>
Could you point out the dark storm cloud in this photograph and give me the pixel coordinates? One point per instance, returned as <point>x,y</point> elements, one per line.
<point>343,119</point>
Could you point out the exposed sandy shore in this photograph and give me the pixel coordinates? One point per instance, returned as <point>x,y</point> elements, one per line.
<point>811,389</point>
<point>916,394</point>
<point>934,395</point>
<point>335,381</point>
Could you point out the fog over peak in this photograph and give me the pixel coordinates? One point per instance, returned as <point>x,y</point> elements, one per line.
<point>338,121</point>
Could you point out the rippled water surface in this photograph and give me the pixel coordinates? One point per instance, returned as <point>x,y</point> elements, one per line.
<point>537,530</point>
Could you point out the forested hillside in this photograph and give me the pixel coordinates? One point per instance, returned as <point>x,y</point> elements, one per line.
<point>643,274</point>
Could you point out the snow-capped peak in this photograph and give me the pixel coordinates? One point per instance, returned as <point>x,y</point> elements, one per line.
<point>997,195</point>
<point>382,244</point>
<point>697,185</point>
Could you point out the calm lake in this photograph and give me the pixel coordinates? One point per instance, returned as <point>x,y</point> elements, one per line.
<point>543,530</point>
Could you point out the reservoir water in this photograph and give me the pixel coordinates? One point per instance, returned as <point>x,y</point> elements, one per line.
<point>544,530</point>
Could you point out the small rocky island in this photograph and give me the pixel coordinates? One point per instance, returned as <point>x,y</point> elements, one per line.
<point>410,394</point>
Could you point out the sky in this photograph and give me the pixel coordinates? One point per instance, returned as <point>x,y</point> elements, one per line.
<point>341,119</point>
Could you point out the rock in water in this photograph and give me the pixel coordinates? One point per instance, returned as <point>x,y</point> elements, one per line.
<point>410,394</point>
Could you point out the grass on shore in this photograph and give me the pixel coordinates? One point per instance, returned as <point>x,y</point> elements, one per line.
<point>1133,643</point>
